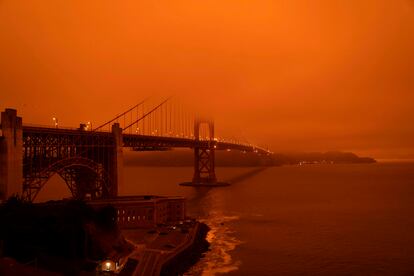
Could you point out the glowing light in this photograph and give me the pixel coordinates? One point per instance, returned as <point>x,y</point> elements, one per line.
<point>55,120</point>
<point>108,265</point>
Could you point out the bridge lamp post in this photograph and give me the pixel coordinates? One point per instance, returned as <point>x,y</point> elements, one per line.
<point>89,125</point>
<point>55,121</point>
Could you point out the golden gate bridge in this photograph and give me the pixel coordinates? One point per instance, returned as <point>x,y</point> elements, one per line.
<point>90,159</point>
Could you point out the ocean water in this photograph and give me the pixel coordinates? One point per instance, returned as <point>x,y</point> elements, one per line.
<point>298,220</point>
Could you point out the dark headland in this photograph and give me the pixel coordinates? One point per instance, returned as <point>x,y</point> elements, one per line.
<point>180,158</point>
<point>70,237</point>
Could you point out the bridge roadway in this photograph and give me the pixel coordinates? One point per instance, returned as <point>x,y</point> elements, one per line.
<point>41,136</point>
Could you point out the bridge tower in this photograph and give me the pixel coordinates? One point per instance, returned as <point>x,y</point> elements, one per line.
<point>11,160</point>
<point>204,157</point>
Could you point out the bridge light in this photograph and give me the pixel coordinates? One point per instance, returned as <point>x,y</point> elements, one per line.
<point>55,120</point>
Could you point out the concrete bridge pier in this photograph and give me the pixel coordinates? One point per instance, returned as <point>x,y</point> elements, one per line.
<point>11,154</point>
<point>117,162</point>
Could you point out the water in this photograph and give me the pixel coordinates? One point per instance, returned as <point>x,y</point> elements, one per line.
<point>317,219</point>
<point>298,220</point>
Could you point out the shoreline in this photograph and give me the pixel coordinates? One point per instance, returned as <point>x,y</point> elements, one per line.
<point>189,254</point>
<point>169,252</point>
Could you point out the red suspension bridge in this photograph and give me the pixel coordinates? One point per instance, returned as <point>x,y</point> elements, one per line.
<point>90,159</point>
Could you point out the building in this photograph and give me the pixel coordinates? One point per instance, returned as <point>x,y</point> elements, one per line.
<point>144,211</point>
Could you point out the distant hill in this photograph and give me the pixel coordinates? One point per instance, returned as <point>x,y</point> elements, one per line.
<point>182,158</point>
<point>331,157</point>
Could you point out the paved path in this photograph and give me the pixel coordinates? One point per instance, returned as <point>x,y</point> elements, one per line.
<point>154,253</point>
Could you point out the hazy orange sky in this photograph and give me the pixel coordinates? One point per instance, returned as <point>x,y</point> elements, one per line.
<point>296,75</point>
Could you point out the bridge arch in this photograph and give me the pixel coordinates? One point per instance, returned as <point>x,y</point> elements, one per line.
<point>83,177</point>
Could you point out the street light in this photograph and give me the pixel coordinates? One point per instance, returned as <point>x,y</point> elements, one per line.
<point>55,121</point>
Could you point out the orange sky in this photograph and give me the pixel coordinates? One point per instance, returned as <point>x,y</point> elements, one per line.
<point>295,75</point>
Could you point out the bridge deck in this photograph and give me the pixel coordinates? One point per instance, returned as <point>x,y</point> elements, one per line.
<point>133,140</point>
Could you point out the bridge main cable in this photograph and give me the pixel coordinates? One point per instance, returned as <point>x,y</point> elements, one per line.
<point>148,113</point>
<point>122,114</point>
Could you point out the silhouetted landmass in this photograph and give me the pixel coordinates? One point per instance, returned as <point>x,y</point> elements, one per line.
<point>181,158</point>
<point>62,236</point>
<point>333,157</point>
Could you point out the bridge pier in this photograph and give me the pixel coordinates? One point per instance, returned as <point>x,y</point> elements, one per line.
<point>117,163</point>
<point>204,158</point>
<point>11,159</point>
